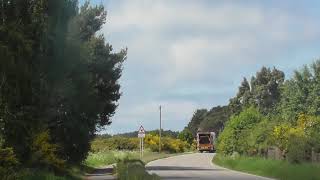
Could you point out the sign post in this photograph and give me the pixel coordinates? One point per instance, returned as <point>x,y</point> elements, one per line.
<point>141,135</point>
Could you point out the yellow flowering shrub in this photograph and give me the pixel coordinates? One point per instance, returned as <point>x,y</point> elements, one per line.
<point>167,144</point>
<point>151,142</point>
<point>8,163</point>
<point>281,135</point>
<point>292,140</point>
<point>44,152</point>
<point>114,143</point>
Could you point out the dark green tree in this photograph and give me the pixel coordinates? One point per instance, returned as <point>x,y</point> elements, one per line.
<point>266,89</point>
<point>197,118</point>
<point>85,93</point>
<point>301,93</point>
<point>215,119</point>
<point>21,31</point>
<point>56,75</point>
<point>186,135</point>
<point>242,98</point>
<point>263,92</point>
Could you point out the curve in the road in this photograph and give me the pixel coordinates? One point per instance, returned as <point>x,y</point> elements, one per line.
<point>195,166</point>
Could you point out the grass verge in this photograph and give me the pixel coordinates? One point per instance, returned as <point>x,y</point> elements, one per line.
<point>270,168</point>
<point>70,173</point>
<point>29,174</point>
<point>129,165</point>
<point>95,160</point>
<point>100,159</point>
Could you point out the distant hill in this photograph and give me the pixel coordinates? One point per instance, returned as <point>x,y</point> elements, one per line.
<point>167,133</point>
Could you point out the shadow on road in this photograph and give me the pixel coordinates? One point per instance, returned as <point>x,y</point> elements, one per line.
<point>178,177</point>
<point>180,168</point>
<point>101,173</point>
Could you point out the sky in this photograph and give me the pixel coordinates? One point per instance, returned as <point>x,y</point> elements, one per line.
<point>186,55</point>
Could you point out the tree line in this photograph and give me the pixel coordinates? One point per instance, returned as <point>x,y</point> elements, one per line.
<point>268,111</point>
<point>166,133</point>
<point>58,81</point>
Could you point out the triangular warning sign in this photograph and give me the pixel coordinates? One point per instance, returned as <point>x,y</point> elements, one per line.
<point>141,130</point>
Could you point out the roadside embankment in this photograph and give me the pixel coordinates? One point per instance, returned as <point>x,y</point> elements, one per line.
<point>270,168</point>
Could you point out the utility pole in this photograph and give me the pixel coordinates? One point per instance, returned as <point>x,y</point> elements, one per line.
<point>160,132</point>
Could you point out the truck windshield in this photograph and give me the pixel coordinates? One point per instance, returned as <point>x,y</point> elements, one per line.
<point>204,140</point>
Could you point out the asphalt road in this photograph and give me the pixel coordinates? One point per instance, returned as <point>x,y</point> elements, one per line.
<point>195,166</point>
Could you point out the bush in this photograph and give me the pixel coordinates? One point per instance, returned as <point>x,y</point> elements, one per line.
<point>235,135</point>
<point>8,163</point>
<point>186,135</point>
<point>152,142</point>
<point>311,125</point>
<point>133,169</point>
<point>98,159</point>
<point>114,143</point>
<point>280,136</point>
<point>44,153</point>
<point>43,175</point>
<point>168,144</point>
<point>297,147</point>
<point>296,140</point>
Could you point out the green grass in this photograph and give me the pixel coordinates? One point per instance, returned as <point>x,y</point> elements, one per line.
<point>44,175</point>
<point>75,172</point>
<point>93,161</point>
<point>129,166</point>
<point>270,168</point>
<point>100,159</point>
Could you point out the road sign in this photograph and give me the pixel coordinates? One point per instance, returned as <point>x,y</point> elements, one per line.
<point>141,132</point>
<point>141,135</point>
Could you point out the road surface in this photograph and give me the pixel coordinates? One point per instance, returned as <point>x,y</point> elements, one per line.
<point>195,166</point>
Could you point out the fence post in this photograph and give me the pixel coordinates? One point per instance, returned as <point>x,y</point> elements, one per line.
<point>313,156</point>
<point>278,154</point>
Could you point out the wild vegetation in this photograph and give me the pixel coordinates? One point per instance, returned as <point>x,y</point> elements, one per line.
<point>151,143</point>
<point>167,133</point>
<point>58,83</point>
<point>274,112</point>
<point>125,153</point>
<point>268,112</point>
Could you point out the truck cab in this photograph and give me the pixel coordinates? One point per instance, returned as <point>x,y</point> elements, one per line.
<point>205,141</point>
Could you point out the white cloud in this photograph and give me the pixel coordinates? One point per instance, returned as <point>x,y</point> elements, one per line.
<point>183,43</point>
<point>235,32</point>
<point>157,15</point>
<point>194,58</point>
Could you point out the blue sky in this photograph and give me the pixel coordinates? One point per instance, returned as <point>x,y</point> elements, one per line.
<point>188,54</point>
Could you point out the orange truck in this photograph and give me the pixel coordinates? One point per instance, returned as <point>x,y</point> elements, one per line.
<point>205,141</point>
